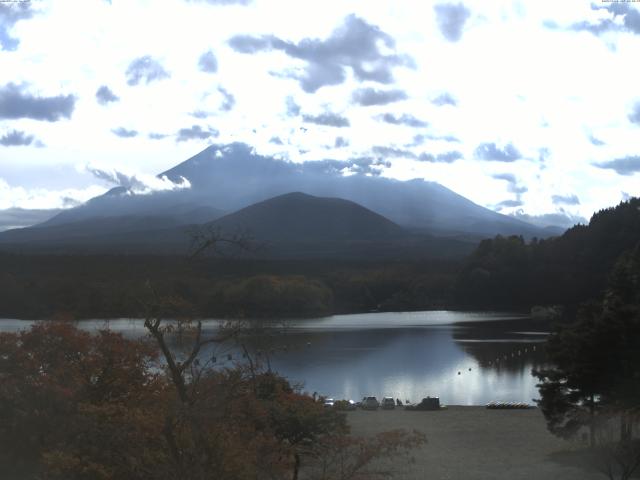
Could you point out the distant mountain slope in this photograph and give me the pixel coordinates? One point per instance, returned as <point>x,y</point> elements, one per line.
<point>109,233</point>
<point>231,177</point>
<point>296,217</point>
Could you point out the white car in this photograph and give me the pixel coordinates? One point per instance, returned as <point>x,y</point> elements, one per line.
<point>370,403</point>
<point>388,403</point>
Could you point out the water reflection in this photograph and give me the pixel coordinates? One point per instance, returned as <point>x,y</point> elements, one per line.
<point>463,358</point>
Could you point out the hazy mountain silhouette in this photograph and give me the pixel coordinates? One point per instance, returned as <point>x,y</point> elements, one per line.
<point>296,217</point>
<point>329,207</point>
<point>231,177</point>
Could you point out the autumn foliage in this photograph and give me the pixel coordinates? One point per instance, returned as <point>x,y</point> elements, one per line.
<point>75,405</point>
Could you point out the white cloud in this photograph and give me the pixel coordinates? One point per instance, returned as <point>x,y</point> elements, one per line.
<point>515,81</point>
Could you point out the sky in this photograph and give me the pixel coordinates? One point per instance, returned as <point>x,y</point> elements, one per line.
<point>531,109</point>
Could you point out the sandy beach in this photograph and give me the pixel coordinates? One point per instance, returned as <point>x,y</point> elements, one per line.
<point>475,443</point>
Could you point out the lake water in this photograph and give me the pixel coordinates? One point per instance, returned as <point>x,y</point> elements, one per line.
<point>465,358</point>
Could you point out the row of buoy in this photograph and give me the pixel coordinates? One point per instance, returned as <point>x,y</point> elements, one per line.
<point>514,354</point>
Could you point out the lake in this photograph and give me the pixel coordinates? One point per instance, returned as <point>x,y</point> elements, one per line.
<point>465,358</point>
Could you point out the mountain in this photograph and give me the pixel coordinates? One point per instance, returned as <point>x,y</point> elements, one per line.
<point>23,217</point>
<point>298,217</point>
<point>231,177</point>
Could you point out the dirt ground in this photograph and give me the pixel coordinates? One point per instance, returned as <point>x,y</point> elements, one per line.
<point>475,443</point>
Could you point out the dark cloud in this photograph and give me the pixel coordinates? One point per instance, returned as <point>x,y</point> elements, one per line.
<point>513,185</point>
<point>104,95</point>
<point>208,62</point>
<point>355,45</point>
<point>16,138</point>
<point>561,218</point>
<point>15,102</point>
<point>371,96</point>
<point>565,200</point>
<point>596,141</point>
<point>490,151</point>
<point>630,20</point>
<point>157,136</point>
<point>451,19</point>
<point>124,133</point>
<point>446,157</point>
<point>228,100</point>
<point>329,119</point>
<point>508,204</point>
<point>200,114</point>
<point>404,119</point>
<point>293,109</point>
<point>634,116</point>
<point>276,141</point>
<point>145,69</point>
<point>341,142</point>
<point>195,132</point>
<point>392,152</point>
<point>623,166</point>
<point>10,14</point>
<point>444,99</point>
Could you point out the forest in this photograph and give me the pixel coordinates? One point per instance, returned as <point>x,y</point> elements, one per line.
<point>502,273</point>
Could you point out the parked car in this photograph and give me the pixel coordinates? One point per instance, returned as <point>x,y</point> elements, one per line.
<point>370,403</point>
<point>329,402</point>
<point>388,403</point>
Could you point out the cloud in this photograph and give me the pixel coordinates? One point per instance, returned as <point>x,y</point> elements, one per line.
<point>16,138</point>
<point>137,183</point>
<point>329,119</point>
<point>145,68</point>
<point>355,45</point>
<point>200,114</point>
<point>124,133</point>
<point>276,141</point>
<point>630,20</point>
<point>367,97</point>
<point>341,142</point>
<point>43,198</point>
<point>508,204</point>
<point>444,99</point>
<point>404,119</point>
<point>10,14</point>
<point>359,165</point>
<point>293,109</point>
<point>634,116</point>
<point>208,62</point>
<point>392,152</point>
<point>446,157</point>
<point>157,136</point>
<point>451,19</point>
<point>195,132</point>
<point>15,102</point>
<point>596,141</point>
<point>560,218</point>
<point>623,166</point>
<point>565,200</point>
<point>491,152</point>
<point>228,100</point>
<point>104,95</point>
<point>513,185</point>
